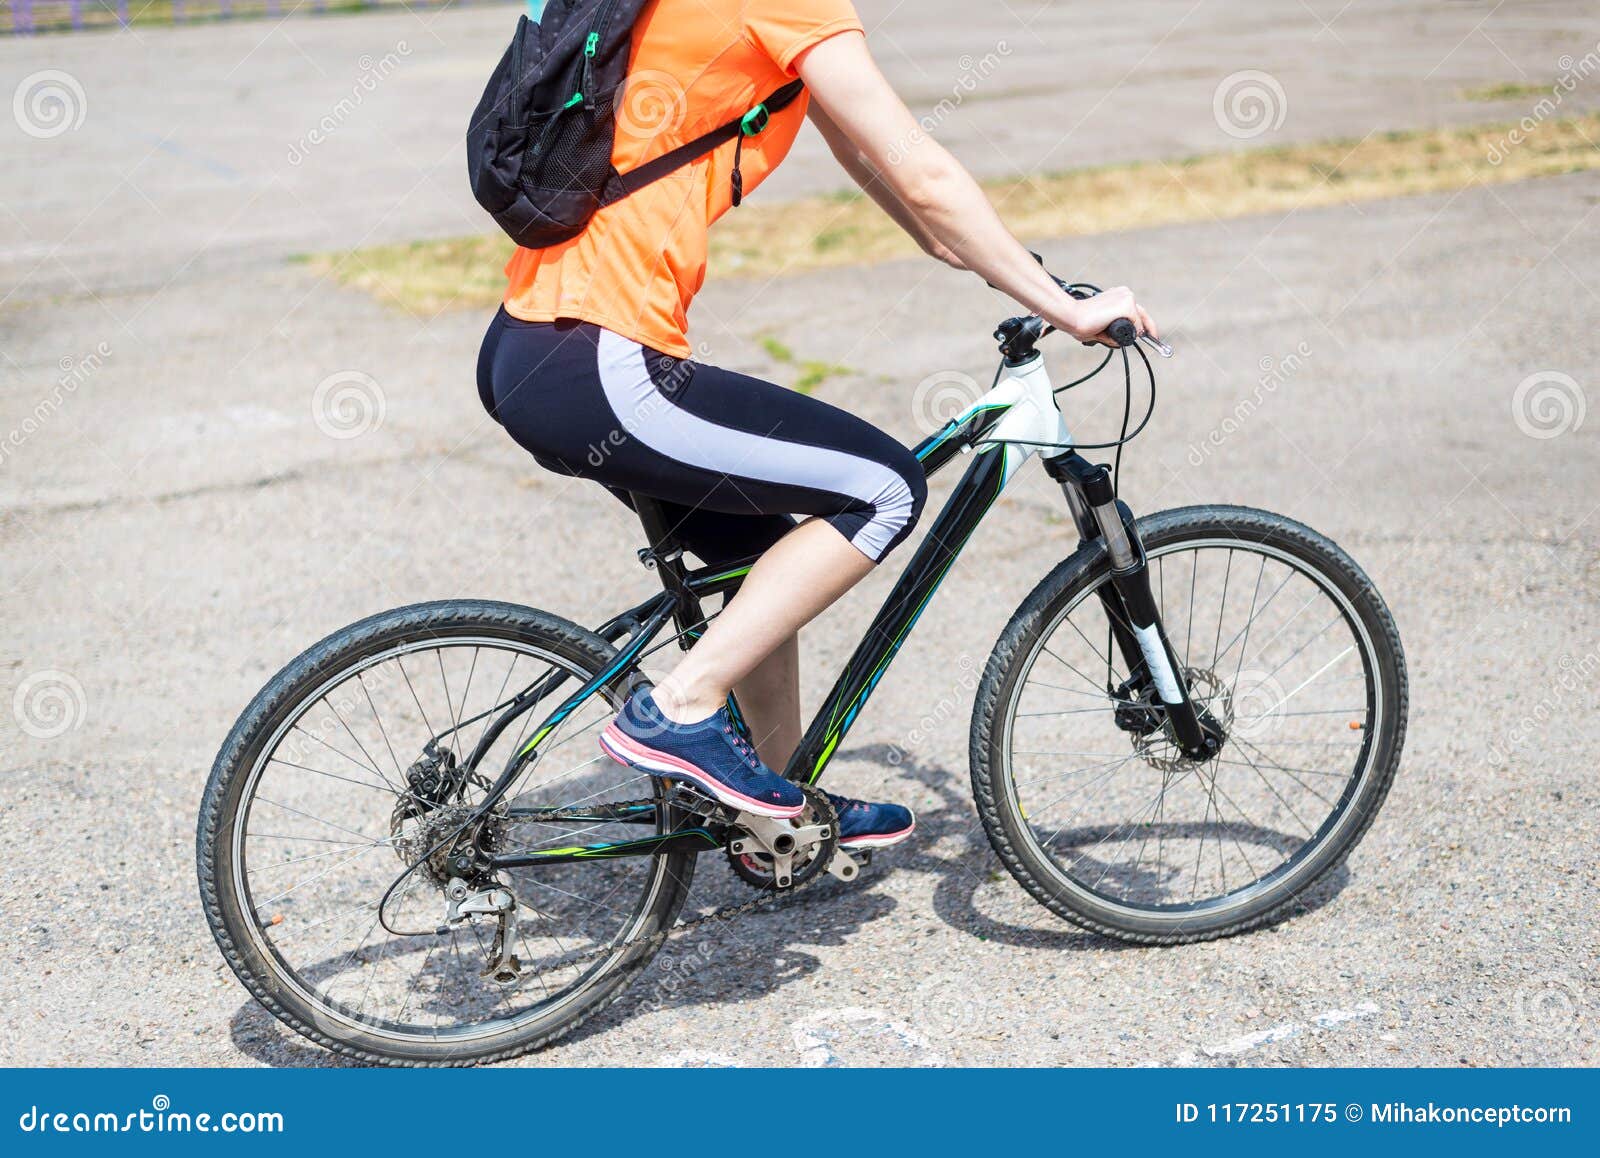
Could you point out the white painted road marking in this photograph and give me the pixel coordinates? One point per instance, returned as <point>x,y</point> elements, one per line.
<point>1238,1046</point>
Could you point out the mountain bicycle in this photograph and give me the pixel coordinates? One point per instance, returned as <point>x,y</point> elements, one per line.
<point>412,851</point>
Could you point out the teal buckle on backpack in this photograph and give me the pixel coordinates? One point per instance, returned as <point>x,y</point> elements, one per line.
<point>754,121</point>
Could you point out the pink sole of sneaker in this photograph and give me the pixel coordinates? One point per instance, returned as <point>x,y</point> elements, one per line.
<point>879,839</point>
<point>624,749</point>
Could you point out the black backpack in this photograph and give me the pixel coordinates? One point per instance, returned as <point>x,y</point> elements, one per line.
<point>539,145</point>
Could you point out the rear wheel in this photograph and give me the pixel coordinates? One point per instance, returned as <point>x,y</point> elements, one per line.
<point>1083,792</point>
<point>312,815</point>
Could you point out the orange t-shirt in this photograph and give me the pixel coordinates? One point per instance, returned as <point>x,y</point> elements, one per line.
<point>695,64</point>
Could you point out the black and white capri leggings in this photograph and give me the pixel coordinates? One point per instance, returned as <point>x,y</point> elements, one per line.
<point>730,457</point>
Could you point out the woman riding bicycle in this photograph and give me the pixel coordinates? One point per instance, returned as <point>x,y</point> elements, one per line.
<point>589,351</point>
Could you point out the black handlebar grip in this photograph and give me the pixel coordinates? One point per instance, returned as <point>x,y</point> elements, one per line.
<point>1123,332</point>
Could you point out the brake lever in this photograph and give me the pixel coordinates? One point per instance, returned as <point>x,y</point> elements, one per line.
<point>1157,345</point>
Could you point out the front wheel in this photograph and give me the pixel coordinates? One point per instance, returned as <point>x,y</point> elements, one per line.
<point>1284,643</point>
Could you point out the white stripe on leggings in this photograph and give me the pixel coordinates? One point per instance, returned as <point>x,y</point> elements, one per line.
<point>650,416</point>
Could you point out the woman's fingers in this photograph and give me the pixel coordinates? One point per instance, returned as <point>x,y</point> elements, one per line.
<point>1146,324</point>
<point>1134,312</point>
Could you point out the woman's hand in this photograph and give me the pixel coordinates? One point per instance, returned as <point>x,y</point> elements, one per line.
<point>1088,318</point>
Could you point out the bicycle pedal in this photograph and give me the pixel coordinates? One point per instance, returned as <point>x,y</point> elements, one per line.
<point>845,867</point>
<point>691,799</point>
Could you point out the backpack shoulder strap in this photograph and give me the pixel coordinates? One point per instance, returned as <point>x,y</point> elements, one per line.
<point>654,169</point>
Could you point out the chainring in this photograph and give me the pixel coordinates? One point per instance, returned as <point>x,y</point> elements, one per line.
<point>755,868</point>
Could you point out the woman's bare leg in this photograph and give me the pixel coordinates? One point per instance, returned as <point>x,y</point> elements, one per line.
<point>790,585</point>
<point>769,697</point>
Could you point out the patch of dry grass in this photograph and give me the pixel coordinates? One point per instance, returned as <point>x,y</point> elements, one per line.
<point>764,240</point>
<point>1508,90</point>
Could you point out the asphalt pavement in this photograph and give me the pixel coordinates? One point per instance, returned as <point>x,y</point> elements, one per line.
<point>210,457</point>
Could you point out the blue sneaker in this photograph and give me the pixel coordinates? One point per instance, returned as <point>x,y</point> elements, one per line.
<point>713,754</point>
<point>863,825</point>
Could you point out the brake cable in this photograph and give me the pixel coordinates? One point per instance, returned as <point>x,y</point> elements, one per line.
<point>1124,436</point>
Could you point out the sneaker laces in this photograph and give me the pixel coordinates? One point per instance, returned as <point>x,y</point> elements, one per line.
<point>844,803</point>
<point>742,746</point>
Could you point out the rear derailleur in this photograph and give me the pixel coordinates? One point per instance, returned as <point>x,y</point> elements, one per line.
<point>498,902</point>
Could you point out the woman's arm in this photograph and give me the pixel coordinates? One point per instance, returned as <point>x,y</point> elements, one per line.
<point>873,185</point>
<point>945,203</point>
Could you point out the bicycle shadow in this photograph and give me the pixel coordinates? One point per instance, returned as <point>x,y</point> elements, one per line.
<point>762,952</point>
<point>974,864</point>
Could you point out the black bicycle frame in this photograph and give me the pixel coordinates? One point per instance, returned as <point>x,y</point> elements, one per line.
<point>684,589</point>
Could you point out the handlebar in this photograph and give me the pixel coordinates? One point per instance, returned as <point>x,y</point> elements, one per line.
<point>1122,332</point>
<point>1018,335</point>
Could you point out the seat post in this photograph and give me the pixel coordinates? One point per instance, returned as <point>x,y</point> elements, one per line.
<point>657,531</point>
<point>664,555</point>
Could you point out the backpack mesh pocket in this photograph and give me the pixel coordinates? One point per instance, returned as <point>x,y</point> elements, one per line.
<point>570,149</point>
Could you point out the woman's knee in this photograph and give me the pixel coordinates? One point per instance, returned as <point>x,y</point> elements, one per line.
<point>901,504</point>
<point>910,469</point>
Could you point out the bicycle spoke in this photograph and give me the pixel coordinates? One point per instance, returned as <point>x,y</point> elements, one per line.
<point>373,764</point>
<point>384,788</point>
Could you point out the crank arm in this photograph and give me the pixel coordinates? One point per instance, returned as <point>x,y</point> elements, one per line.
<point>843,866</point>
<point>779,840</point>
